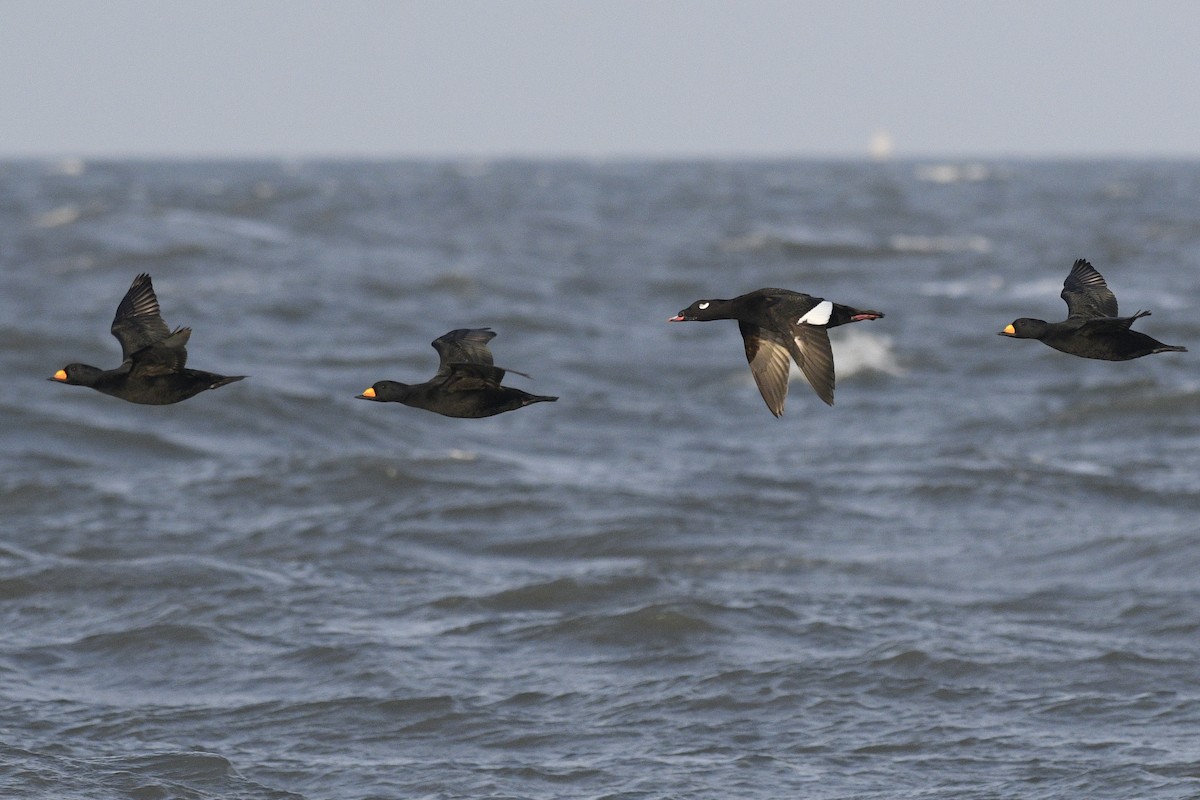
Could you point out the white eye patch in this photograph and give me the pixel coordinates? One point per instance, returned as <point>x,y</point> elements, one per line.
<point>818,314</point>
<point>703,305</point>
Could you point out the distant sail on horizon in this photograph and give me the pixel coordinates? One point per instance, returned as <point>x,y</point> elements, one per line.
<point>880,147</point>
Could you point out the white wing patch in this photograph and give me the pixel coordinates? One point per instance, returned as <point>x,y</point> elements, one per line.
<point>703,305</point>
<point>818,314</point>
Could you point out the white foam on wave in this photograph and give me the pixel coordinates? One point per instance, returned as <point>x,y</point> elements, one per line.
<point>852,240</point>
<point>856,351</point>
<point>954,173</point>
<point>799,236</point>
<point>68,167</point>
<point>1080,467</point>
<point>57,217</point>
<point>955,289</point>
<point>918,243</point>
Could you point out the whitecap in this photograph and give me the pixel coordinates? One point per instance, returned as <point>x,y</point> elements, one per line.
<point>1079,467</point>
<point>68,167</point>
<point>956,289</point>
<point>63,215</point>
<point>918,243</point>
<point>953,173</point>
<point>798,237</point>
<point>861,351</point>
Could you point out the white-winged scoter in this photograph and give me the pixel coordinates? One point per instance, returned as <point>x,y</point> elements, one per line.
<point>778,325</point>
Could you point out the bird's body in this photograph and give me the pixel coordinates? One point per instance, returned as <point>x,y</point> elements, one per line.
<point>151,390</point>
<point>1092,328</point>
<point>467,383</point>
<point>153,358</point>
<point>778,326</point>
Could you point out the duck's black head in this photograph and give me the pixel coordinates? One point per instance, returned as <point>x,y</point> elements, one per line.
<point>1026,328</point>
<point>385,392</point>
<point>77,375</point>
<point>699,311</point>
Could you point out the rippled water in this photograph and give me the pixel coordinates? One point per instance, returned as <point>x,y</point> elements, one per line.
<point>974,577</point>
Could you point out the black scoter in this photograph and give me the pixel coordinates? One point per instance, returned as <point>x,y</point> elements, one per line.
<point>1092,328</point>
<point>467,383</point>
<point>152,370</point>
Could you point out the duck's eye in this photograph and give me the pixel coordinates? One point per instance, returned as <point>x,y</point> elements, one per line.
<point>703,305</point>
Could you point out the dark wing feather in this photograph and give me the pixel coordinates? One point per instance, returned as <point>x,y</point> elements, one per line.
<point>463,346</point>
<point>161,358</point>
<point>138,322</point>
<point>471,377</point>
<point>1107,326</point>
<point>812,352</point>
<point>767,352</point>
<point>1086,293</point>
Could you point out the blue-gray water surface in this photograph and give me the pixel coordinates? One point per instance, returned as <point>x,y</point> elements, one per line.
<point>975,576</point>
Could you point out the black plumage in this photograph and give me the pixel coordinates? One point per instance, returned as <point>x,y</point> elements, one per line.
<point>1092,328</point>
<point>777,326</point>
<point>467,383</point>
<point>153,358</point>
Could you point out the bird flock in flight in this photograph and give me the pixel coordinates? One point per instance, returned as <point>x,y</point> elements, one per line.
<point>778,326</point>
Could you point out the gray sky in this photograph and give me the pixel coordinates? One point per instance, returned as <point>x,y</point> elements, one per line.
<point>598,79</point>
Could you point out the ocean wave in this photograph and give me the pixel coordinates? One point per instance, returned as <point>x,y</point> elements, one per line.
<point>856,243</point>
<point>123,238</point>
<point>1139,398</point>
<point>212,230</point>
<point>57,217</point>
<point>859,351</point>
<point>99,572</point>
<point>198,775</point>
<point>561,594</point>
<point>971,172</point>
<point>651,626</point>
<point>963,288</point>
<point>918,243</point>
<point>99,440</point>
<point>806,241</point>
<point>138,642</point>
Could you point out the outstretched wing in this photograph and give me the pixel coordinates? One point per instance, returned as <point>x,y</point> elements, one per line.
<point>463,346</point>
<point>161,358</point>
<point>138,323</point>
<point>812,352</point>
<point>767,352</point>
<point>1086,293</point>
<point>471,377</point>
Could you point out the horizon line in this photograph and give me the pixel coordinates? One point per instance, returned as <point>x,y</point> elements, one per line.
<point>586,156</point>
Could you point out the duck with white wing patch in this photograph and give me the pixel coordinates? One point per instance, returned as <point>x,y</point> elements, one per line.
<point>779,325</point>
